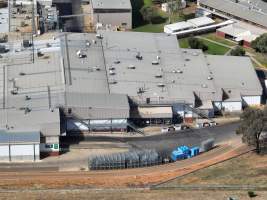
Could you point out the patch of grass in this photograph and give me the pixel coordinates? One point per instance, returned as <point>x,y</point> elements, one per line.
<point>215,49</point>
<point>249,169</point>
<point>214,37</point>
<point>148,2</point>
<point>153,28</point>
<point>260,57</point>
<point>184,43</point>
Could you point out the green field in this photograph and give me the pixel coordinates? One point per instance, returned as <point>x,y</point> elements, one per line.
<point>213,49</point>
<point>212,36</point>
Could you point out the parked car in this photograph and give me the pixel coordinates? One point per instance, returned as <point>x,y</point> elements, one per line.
<point>206,124</point>
<point>173,128</point>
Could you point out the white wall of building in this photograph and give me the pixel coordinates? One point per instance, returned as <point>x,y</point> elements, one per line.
<point>113,19</point>
<point>251,100</point>
<point>232,106</point>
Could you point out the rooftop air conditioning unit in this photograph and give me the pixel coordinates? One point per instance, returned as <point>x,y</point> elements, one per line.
<point>117,62</point>
<point>112,82</point>
<point>131,67</point>
<point>99,36</point>
<point>204,85</point>
<point>111,72</point>
<point>158,76</point>
<point>139,56</point>
<point>210,77</point>
<point>155,62</point>
<point>161,85</point>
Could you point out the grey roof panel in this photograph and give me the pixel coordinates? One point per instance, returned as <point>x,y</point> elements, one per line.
<point>19,137</point>
<point>238,10</point>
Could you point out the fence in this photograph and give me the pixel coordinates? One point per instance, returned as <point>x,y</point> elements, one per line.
<point>131,159</point>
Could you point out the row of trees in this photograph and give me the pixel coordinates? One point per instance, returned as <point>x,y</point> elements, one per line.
<point>253,125</point>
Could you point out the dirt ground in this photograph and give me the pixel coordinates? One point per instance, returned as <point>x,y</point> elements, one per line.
<point>118,178</point>
<point>131,194</point>
<point>248,169</point>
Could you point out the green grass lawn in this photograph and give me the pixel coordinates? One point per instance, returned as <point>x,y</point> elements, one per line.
<point>153,28</point>
<point>184,43</point>
<point>213,49</point>
<point>214,37</point>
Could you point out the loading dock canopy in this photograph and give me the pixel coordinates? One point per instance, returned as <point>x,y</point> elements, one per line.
<point>153,112</point>
<point>19,137</point>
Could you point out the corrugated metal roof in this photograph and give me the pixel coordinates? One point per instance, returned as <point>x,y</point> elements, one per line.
<point>19,137</point>
<point>238,10</point>
<point>111,4</point>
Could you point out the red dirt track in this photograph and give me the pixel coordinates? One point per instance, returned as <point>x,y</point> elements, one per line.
<point>138,177</point>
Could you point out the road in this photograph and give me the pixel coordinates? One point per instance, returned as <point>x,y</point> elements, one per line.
<point>164,143</point>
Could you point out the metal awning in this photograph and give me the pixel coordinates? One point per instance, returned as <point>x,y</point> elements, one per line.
<point>153,112</point>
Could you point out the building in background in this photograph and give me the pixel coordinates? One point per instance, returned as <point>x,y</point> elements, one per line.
<point>112,14</point>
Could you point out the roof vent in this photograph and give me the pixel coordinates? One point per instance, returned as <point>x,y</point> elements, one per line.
<point>117,62</point>
<point>99,36</point>
<point>210,77</point>
<point>97,68</point>
<point>113,82</point>
<point>158,76</point>
<point>155,62</point>
<point>81,54</point>
<point>22,74</point>
<point>131,67</point>
<point>187,59</point>
<point>161,85</point>
<point>139,56</point>
<point>94,41</point>
<point>173,81</point>
<point>204,85</point>
<point>111,68</point>
<point>88,44</point>
<point>112,72</point>
<point>27,98</point>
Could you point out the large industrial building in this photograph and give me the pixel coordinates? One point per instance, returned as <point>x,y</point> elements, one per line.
<point>115,13</point>
<point>253,11</point>
<point>111,80</point>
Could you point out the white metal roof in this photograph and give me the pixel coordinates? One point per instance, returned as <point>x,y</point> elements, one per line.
<point>178,26</point>
<point>201,21</point>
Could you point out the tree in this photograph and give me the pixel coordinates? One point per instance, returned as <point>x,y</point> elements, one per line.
<point>260,43</point>
<point>174,6</point>
<point>253,123</point>
<point>148,12</point>
<point>195,43</point>
<point>136,15</point>
<point>238,51</point>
